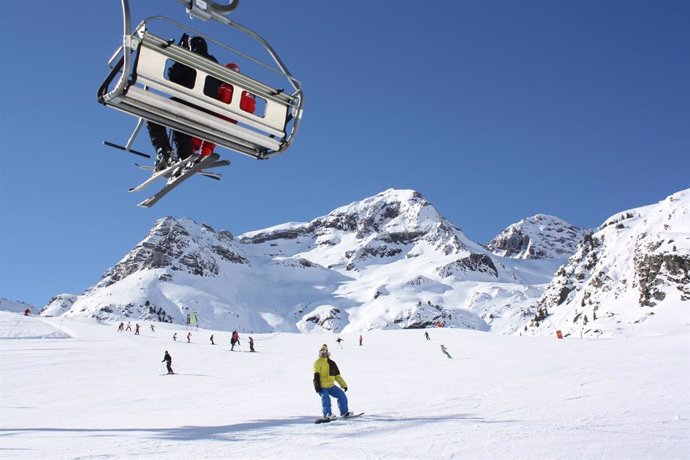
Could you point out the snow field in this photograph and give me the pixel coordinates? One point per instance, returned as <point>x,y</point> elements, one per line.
<point>101,394</point>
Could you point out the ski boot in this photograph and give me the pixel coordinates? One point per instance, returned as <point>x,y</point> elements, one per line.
<point>162,160</point>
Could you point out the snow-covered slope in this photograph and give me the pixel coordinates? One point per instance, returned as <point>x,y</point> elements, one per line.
<point>388,261</point>
<point>630,277</point>
<point>100,394</point>
<point>538,237</point>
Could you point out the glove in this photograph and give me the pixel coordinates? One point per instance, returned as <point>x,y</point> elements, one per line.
<point>345,389</point>
<point>318,389</point>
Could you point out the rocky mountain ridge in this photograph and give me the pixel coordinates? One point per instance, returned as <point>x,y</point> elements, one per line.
<point>634,271</point>
<point>389,261</point>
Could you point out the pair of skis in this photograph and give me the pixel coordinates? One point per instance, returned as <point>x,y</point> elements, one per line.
<point>178,173</point>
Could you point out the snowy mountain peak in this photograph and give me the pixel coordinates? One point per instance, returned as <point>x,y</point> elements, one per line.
<point>538,237</point>
<point>632,274</point>
<point>176,245</point>
<point>387,261</point>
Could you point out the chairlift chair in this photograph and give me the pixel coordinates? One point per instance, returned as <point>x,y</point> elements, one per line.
<point>143,90</point>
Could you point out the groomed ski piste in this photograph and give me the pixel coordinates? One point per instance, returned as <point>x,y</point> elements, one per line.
<point>77,388</point>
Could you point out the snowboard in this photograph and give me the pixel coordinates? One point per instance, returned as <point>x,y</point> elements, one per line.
<point>175,181</point>
<point>328,420</point>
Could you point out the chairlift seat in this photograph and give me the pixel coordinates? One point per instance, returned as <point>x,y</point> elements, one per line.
<point>150,95</point>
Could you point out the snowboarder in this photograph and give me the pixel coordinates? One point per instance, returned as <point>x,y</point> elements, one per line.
<point>340,342</point>
<point>168,362</point>
<point>212,342</point>
<point>189,337</point>
<point>426,335</point>
<point>445,351</point>
<point>251,344</point>
<point>136,331</point>
<point>326,374</point>
<point>175,337</point>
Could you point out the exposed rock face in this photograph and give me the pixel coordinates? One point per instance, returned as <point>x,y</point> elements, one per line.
<point>538,237</point>
<point>171,245</point>
<point>635,267</point>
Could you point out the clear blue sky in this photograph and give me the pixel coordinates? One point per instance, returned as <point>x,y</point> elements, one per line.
<point>493,110</point>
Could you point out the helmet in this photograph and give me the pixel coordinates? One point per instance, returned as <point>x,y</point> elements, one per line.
<point>232,66</point>
<point>198,45</point>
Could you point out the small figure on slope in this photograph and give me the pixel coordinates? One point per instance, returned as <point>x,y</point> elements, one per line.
<point>234,340</point>
<point>340,342</point>
<point>251,345</point>
<point>175,337</point>
<point>445,351</point>
<point>168,362</point>
<point>326,374</point>
<point>426,335</point>
<point>212,342</point>
<point>189,337</point>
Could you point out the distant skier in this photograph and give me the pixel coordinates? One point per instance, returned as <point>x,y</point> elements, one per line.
<point>340,342</point>
<point>445,351</point>
<point>26,312</point>
<point>168,362</point>
<point>129,326</point>
<point>212,342</point>
<point>326,374</point>
<point>360,340</point>
<point>175,337</point>
<point>234,340</point>
<point>121,327</point>
<point>153,329</point>
<point>189,337</point>
<point>136,331</point>
<point>251,345</point>
<point>426,335</point>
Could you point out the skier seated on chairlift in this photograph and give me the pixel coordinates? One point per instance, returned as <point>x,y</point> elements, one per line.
<point>224,94</point>
<point>184,76</point>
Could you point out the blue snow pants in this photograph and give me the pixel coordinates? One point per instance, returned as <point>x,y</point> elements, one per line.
<point>338,394</point>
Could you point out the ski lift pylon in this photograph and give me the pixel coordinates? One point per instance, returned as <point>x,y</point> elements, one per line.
<point>143,90</point>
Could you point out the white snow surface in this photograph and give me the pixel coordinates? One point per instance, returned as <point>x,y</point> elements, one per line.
<point>99,393</point>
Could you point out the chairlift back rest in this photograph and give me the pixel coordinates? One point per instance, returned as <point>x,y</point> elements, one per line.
<point>258,135</point>
<point>151,65</point>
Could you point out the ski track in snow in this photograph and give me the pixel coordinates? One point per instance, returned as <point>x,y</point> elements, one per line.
<point>99,394</point>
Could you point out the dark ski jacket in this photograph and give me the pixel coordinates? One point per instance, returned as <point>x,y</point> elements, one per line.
<point>186,76</point>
